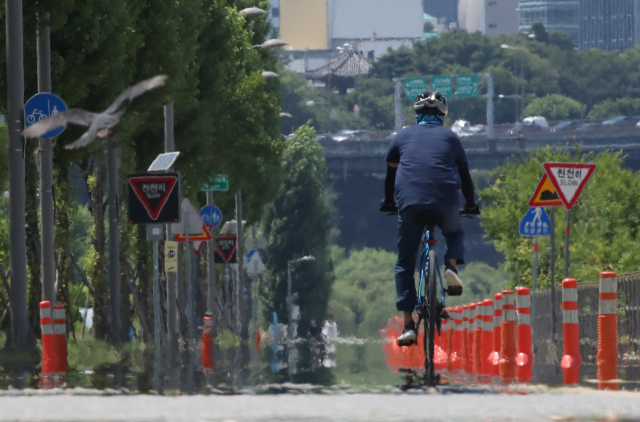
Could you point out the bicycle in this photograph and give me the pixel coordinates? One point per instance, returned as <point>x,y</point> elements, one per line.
<point>430,308</point>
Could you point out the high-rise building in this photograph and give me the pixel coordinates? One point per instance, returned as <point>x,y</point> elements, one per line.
<point>556,15</point>
<point>446,11</point>
<point>608,24</point>
<point>491,17</point>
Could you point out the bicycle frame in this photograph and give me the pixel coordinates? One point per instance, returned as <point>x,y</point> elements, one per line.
<point>424,268</point>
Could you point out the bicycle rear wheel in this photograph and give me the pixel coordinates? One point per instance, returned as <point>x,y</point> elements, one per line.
<point>430,321</point>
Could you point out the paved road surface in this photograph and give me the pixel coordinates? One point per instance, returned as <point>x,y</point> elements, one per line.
<point>559,405</point>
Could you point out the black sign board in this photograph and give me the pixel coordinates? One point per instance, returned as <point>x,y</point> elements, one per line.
<point>226,250</point>
<point>154,198</point>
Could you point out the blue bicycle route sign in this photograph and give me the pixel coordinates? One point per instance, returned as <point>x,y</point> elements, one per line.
<point>211,216</point>
<point>535,223</point>
<point>41,106</point>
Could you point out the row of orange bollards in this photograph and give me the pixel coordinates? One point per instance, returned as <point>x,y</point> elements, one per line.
<point>492,340</point>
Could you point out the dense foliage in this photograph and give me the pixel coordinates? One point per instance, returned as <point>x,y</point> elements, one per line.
<point>604,224</point>
<point>297,223</point>
<point>226,119</point>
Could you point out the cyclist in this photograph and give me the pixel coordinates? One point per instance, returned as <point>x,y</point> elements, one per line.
<point>426,165</point>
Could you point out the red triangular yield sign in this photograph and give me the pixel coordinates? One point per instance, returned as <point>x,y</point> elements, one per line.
<point>569,179</point>
<point>226,246</point>
<point>153,192</point>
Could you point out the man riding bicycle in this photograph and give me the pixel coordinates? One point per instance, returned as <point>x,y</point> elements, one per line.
<point>426,165</point>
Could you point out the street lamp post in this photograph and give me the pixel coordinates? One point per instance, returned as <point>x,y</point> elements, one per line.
<point>521,94</point>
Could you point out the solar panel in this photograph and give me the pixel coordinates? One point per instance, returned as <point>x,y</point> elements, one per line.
<point>163,162</point>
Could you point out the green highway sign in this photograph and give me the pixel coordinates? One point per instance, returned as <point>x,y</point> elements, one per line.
<point>442,84</point>
<point>220,182</point>
<point>414,87</point>
<point>467,86</point>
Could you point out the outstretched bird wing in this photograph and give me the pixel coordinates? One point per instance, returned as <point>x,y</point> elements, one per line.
<point>73,115</point>
<point>85,139</point>
<point>135,91</point>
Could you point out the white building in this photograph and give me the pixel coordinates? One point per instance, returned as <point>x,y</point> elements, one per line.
<point>491,17</point>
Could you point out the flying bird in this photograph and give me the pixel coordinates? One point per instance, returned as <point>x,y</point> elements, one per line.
<point>100,125</point>
<point>252,11</point>
<point>275,42</point>
<point>287,115</point>
<point>269,74</point>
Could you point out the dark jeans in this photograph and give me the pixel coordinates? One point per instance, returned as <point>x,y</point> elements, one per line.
<point>409,236</point>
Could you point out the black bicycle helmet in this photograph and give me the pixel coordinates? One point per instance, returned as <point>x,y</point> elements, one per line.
<point>431,103</point>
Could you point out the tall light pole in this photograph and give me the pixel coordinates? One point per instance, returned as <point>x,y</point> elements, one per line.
<point>46,167</point>
<point>21,332</point>
<point>289,281</point>
<point>521,56</point>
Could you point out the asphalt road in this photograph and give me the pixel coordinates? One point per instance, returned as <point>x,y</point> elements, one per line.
<point>559,405</point>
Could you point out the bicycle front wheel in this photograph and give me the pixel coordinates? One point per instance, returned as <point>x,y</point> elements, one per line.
<point>430,321</point>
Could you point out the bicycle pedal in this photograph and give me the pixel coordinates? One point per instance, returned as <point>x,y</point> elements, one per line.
<point>454,291</point>
<point>403,343</point>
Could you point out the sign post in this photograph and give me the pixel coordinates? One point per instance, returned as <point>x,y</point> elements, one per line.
<point>535,223</point>
<point>545,195</point>
<point>569,179</point>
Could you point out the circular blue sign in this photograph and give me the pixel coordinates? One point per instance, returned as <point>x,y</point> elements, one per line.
<point>41,106</point>
<point>211,216</point>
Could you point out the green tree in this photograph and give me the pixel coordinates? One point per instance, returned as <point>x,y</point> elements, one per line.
<point>363,295</point>
<point>604,226</point>
<point>297,224</point>
<point>555,107</point>
<point>612,108</point>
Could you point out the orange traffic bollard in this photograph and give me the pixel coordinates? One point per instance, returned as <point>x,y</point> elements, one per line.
<point>571,359</point>
<point>487,340</point>
<point>60,340</point>
<point>206,346</point>
<point>465,337</point>
<point>525,343</point>
<point>477,340</point>
<point>46,324</point>
<point>456,341</point>
<point>497,334</point>
<point>607,356</point>
<point>448,326</point>
<point>472,326</point>
<point>508,338</point>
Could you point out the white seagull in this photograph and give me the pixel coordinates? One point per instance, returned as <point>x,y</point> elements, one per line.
<point>269,74</point>
<point>272,43</point>
<point>100,124</point>
<point>252,11</point>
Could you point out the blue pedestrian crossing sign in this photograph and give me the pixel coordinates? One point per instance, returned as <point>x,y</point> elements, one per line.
<point>211,216</point>
<point>41,106</point>
<point>535,223</point>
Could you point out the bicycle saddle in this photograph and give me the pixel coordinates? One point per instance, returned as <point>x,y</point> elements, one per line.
<point>430,218</point>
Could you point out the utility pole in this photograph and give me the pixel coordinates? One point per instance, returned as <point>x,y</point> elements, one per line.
<point>211,273</point>
<point>491,132</point>
<point>21,331</point>
<point>398,103</point>
<point>242,330</point>
<point>114,239</point>
<point>552,246</point>
<point>46,168</point>
<point>172,310</point>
